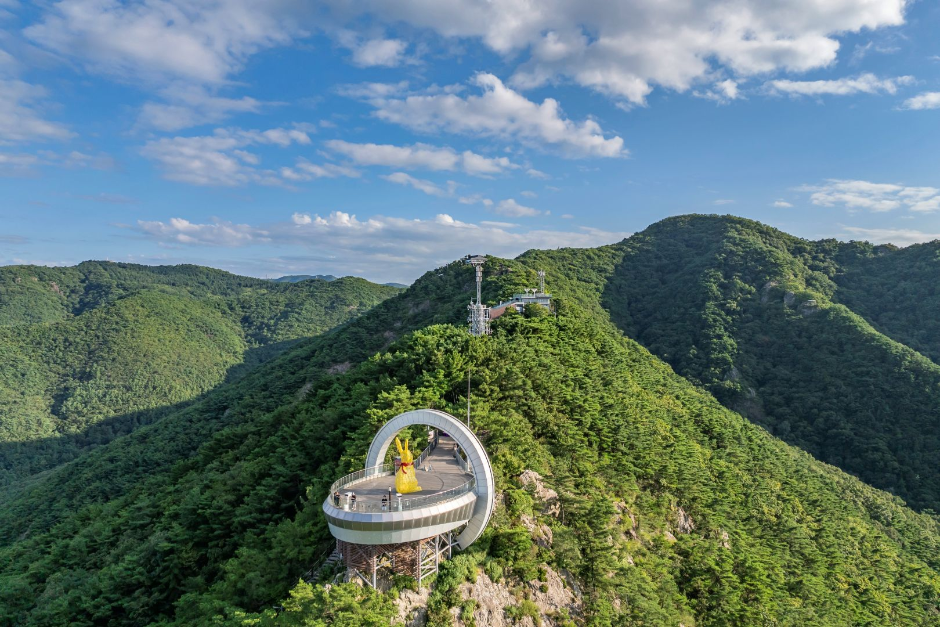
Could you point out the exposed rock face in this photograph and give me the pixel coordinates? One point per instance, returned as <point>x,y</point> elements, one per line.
<point>789,298</point>
<point>491,599</point>
<point>765,291</point>
<point>555,597</point>
<point>623,511</point>
<point>808,308</point>
<point>684,522</point>
<point>547,497</point>
<point>413,607</point>
<point>541,533</point>
<point>339,368</point>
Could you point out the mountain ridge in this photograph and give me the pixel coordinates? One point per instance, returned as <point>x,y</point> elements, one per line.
<point>673,507</point>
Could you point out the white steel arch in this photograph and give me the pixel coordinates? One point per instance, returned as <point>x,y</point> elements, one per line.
<point>485,488</point>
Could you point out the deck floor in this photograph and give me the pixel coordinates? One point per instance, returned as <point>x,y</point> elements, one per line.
<point>445,474</point>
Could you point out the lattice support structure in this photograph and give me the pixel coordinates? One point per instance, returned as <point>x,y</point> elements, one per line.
<point>375,563</point>
<point>479,313</point>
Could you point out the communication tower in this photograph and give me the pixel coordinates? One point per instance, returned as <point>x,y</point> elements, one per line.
<point>479,313</point>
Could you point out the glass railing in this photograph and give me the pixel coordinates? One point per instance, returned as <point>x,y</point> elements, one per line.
<point>398,504</point>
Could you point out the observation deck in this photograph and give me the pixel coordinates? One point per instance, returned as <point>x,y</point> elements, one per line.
<point>411,533</point>
<point>446,500</point>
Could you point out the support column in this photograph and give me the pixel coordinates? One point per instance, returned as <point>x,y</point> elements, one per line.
<point>418,562</point>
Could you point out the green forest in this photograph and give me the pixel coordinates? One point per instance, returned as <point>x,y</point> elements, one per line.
<point>93,352</point>
<point>699,417</point>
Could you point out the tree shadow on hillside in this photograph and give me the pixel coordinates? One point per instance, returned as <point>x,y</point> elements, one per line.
<point>19,461</point>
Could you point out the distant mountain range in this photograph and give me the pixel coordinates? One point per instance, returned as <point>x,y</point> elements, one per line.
<point>296,278</point>
<point>704,405</point>
<point>94,351</point>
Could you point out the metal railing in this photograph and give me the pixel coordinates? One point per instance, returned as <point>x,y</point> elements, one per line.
<point>378,471</point>
<point>398,504</point>
<point>362,475</point>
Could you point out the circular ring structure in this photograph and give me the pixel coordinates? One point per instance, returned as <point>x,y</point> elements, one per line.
<point>485,488</point>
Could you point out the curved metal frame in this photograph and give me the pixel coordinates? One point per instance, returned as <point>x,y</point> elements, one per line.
<point>485,488</point>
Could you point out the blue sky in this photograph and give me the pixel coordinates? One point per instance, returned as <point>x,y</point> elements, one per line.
<point>382,138</point>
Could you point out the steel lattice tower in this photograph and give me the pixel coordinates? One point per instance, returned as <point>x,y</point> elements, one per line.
<point>479,313</point>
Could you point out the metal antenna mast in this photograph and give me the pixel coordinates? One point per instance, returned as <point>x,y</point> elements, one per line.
<point>479,319</point>
<point>541,274</point>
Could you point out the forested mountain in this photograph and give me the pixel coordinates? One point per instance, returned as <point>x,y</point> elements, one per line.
<point>674,509</point>
<point>92,352</point>
<point>804,338</point>
<point>297,278</point>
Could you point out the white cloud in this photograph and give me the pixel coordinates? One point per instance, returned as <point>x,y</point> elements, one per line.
<point>219,159</point>
<point>23,164</point>
<point>202,41</point>
<point>306,171</point>
<point>567,216</point>
<point>512,209</point>
<point>782,204</point>
<point>381,52</point>
<point>926,100</point>
<point>190,105</point>
<point>876,197</point>
<point>20,117</point>
<point>861,84</point>
<point>474,199</point>
<point>723,201</point>
<point>529,194</point>
<point>369,91</point>
<point>721,92</point>
<point>382,248</point>
<point>422,185</point>
<point>218,233</point>
<point>626,48</point>
<point>898,237</point>
<point>537,174</point>
<point>500,112</point>
<point>420,156</point>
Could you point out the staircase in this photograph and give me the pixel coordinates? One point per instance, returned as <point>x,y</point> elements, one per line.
<point>315,573</point>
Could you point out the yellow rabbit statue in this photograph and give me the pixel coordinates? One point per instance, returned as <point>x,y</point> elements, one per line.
<point>405,479</point>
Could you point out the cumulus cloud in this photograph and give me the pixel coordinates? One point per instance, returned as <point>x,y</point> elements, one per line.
<point>876,197</point>
<point>382,248</point>
<point>219,159</point>
<point>782,204</point>
<point>21,119</point>
<point>201,41</point>
<point>420,156</point>
<point>500,112</point>
<point>626,48</point>
<point>186,106</point>
<point>217,233</point>
<point>926,100</point>
<point>512,209</point>
<point>721,92</point>
<point>537,174</point>
<point>422,185</point>
<point>898,237</point>
<point>861,84</point>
